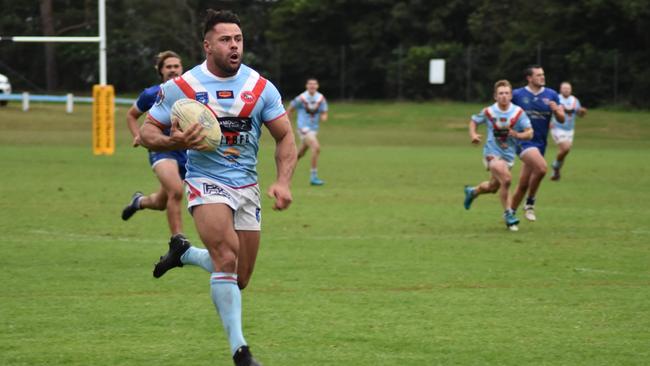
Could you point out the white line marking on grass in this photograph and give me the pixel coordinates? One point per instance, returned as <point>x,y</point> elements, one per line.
<point>86,237</point>
<point>592,270</point>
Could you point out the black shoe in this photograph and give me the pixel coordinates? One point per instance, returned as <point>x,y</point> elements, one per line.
<point>178,245</point>
<point>243,357</point>
<point>132,207</point>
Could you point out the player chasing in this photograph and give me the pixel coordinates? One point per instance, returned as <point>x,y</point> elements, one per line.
<point>507,124</point>
<point>169,166</point>
<point>562,133</point>
<point>221,184</point>
<point>311,109</point>
<point>540,104</point>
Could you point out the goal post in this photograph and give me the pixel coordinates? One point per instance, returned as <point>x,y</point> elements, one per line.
<point>103,94</point>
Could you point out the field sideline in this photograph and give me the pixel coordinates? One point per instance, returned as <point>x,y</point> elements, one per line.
<point>381,266</point>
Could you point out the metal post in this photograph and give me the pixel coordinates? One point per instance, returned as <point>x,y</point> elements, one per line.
<point>342,74</point>
<point>400,94</point>
<point>25,101</point>
<point>468,73</point>
<point>102,42</point>
<point>615,76</point>
<point>69,103</point>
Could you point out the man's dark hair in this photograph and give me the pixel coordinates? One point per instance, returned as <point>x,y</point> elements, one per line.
<point>160,60</point>
<point>528,71</point>
<point>214,17</point>
<point>310,79</point>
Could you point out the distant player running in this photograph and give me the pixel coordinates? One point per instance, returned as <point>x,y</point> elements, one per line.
<point>169,166</point>
<point>311,107</point>
<point>506,124</point>
<point>562,133</point>
<point>540,104</point>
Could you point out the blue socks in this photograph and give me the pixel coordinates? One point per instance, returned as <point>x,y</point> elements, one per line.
<point>198,257</point>
<point>226,297</point>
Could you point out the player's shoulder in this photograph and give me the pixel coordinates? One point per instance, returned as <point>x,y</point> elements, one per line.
<point>152,90</point>
<point>550,92</point>
<point>519,91</point>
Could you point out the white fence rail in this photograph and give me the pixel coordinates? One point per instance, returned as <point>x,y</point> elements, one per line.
<point>68,99</point>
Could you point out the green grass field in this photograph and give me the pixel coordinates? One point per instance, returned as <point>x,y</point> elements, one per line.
<point>381,266</point>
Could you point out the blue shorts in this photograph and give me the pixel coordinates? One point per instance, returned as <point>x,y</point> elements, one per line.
<point>180,156</point>
<point>523,145</point>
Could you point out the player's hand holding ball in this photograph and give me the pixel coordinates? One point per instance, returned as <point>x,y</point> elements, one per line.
<point>190,138</point>
<point>195,126</point>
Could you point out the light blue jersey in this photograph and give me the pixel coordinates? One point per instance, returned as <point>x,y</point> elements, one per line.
<point>571,107</point>
<point>499,143</point>
<point>242,103</point>
<point>309,108</point>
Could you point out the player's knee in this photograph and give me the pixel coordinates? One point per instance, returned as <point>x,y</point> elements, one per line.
<point>506,182</point>
<point>175,194</point>
<point>226,261</point>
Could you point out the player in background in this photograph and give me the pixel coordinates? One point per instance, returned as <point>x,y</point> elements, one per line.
<point>506,125</point>
<point>562,133</point>
<point>169,166</point>
<point>221,184</point>
<point>311,109</point>
<point>540,104</point>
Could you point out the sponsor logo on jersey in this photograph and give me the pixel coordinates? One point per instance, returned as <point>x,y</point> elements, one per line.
<point>235,124</point>
<point>215,190</point>
<point>160,97</point>
<point>248,97</point>
<point>202,97</point>
<point>225,94</point>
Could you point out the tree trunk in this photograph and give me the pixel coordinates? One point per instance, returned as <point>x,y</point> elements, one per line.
<point>47,21</point>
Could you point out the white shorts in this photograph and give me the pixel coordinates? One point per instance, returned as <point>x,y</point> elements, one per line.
<point>490,158</point>
<point>559,135</point>
<point>245,202</point>
<point>306,133</point>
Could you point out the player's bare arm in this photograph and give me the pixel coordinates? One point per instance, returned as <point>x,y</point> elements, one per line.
<point>285,161</point>
<point>324,116</point>
<point>153,138</point>
<point>526,134</point>
<point>132,116</point>
<point>558,111</point>
<point>475,137</point>
<point>582,111</point>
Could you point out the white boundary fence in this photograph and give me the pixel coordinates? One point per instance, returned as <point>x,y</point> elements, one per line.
<point>69,100</point>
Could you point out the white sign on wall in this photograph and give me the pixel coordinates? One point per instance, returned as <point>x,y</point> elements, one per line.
<point>437,71</point>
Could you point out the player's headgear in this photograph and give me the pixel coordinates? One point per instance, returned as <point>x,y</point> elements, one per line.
<point>214,17</point>
<point>160,60</point>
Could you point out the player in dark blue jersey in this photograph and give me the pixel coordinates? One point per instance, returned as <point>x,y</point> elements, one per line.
<point>169,166</point>
<point>540,104</point>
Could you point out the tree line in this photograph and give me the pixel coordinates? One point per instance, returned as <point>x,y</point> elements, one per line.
<point>364,49</point>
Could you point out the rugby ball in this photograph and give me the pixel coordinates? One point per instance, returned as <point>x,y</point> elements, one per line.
<point>189,111</point>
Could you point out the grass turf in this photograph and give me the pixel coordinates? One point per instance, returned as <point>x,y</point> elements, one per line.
<point>381,266</point>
